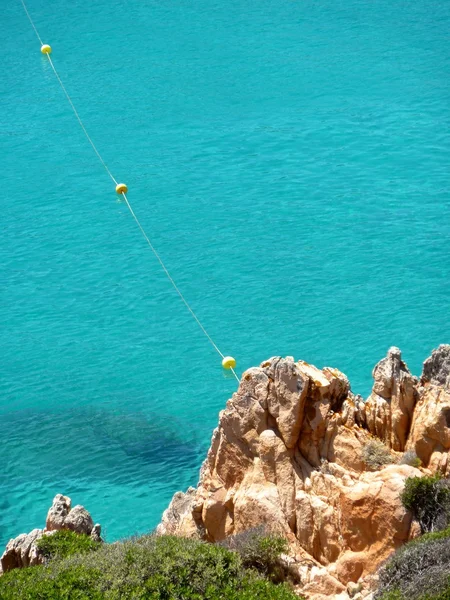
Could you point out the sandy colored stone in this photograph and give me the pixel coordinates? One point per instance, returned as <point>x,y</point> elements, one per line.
<point>22,551</point>
<point>287,454</point>
<point>390,407</point>
<point>430,430</point>
<point>57,513</point>
<point>285,401</point>
<point>323,585</point>
<point>79,520</point>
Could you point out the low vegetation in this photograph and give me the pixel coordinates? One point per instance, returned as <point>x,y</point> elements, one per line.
<point>375,454</point>
<point>65,543</point>
<point>259,550</point>
<point>410,458</point>
<point>420,570</point>
<point>428,498</point>
<point>150,568</point>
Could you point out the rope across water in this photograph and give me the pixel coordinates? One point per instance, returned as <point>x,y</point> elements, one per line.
<point>227,361</point>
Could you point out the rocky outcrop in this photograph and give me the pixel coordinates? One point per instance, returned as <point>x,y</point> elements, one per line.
<point>389,409</point>
<point>57,513</point>
<point>22,551</point>
<point>436,369</point>
<point>288,454</point>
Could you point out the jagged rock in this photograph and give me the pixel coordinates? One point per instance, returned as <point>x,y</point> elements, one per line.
<point>285,401</point>
<point>58,512</point>
<point>11,558</point>
<point>180,509</point>
<point>430,430</point>
<point>96,533</point>
<point>79,520</point>
<point>22,551</point>
<point>436,369</point>
<point>288,454</point>
<point>390,407</point>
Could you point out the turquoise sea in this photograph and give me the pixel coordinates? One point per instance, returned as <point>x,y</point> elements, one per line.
<point>289,160</point>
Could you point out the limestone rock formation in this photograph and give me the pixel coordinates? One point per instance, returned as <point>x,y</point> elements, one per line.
<point>22,551</point>
<point>288,453</point>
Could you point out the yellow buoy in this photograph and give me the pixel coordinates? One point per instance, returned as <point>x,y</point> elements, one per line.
<point>46,49</point>
<point>121,188</point>
<point>228,362</point>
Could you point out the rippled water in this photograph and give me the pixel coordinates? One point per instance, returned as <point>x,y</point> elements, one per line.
<point>290,161</point>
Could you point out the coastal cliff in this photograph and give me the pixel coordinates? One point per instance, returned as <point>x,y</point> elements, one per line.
<point>298,455</point>
<point>292,452</point>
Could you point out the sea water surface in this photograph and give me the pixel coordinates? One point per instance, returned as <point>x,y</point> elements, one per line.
<point>289,160</point>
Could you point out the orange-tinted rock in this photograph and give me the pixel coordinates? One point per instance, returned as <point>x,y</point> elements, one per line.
<point>288,454</point>
<point>390,407</point>
<point>430,430</point>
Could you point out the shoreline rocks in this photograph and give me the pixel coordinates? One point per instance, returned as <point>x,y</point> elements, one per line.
<point>290,454</point>
<point>287,453</point>
<point>22,551</point>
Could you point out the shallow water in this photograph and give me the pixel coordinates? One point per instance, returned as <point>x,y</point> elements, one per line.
<point>289,161</point>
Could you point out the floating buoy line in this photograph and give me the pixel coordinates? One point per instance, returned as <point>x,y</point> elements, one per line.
<point>228,362</point>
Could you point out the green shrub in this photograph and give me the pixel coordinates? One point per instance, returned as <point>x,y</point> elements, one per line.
<point>428,498</point>
<point>37,583</point>
<point>420,570</point>
<point>392,595</point>
<point>430,537</point>
<point>410,458</point>
<point>258,550</point>
<point>146,568</point>
<point>65,543</point>
<point>375,454</point>
<point>397,595</point>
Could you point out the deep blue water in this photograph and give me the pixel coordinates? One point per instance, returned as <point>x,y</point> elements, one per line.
<point>289,160</point>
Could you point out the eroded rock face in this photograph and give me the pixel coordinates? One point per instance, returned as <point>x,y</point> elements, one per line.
<point>288,453</point>
<point>436,369</point>
<point>79,520</point>
<point>57,513</point>
<point>389,409</point>
<point>22,551</point>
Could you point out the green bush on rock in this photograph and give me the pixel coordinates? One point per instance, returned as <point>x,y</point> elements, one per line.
<point>429,500</point>
<point>375,454</point>
<point>420,570</point>
<point>150,568</point>
<point>65,543</point>
<point>410,458</point>
<point>258,550</point>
